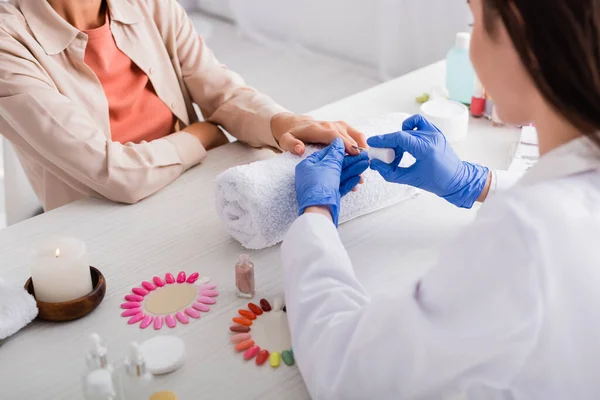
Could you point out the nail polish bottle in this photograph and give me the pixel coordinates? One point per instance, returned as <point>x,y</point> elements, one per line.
<point>98,379</point>
<point>478,100</point>
<point>136,380</point>
<point>244,277</point>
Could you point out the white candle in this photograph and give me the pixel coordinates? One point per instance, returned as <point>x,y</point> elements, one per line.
<point>60,270</point>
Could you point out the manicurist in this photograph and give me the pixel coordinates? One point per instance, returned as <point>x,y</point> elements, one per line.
<point>511,310</point>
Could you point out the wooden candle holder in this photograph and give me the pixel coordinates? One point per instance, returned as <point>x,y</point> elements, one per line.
<point>74,309</point>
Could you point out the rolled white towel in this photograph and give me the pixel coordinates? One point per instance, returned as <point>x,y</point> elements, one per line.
<point>17,309</point>
<point>257,202</point>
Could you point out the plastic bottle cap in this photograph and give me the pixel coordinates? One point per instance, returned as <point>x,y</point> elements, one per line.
<point>463,40</point>
<point>244,259</point>
<point>97,348</point>
<point>479,91</point>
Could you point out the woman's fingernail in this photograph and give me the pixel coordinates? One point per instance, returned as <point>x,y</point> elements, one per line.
<point>298,148</point>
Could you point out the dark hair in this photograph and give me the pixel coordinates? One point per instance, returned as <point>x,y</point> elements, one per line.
<point>558,41</point>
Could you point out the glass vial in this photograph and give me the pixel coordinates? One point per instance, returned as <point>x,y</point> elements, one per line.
<point>244,277</point>
<point>98,380</point>
<point>136,380</point>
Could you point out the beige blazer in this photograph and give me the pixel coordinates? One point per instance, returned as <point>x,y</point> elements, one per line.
<point>54,111</point>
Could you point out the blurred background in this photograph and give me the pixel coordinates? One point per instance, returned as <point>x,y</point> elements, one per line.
<point>309,53</point>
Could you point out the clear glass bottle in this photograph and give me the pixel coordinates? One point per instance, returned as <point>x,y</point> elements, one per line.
<point>460,75</point>
<point>244,277</point>
<point>136,381</point>
<point>98,379</point>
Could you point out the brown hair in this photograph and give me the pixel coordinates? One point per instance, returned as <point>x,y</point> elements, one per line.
<point>558,41</point>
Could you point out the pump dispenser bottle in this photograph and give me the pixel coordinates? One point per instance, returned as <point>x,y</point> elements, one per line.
<point>460,75</point>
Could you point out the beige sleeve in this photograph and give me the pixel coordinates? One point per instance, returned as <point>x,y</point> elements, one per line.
<point>222,95</point>
<point>53,130</point>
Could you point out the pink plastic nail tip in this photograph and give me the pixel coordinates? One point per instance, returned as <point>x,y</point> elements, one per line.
<point>131,304</point>
<point>169,278</point>
<point>131,312</point>
<point>201,307</point>
<point>209,293</point>
<point>192,313</point>
<point>170,320</point>
<point>134,297</point>
<point>206,300</point>
<point>207,286</point>
<point>148,286</point>
<point>140,291</point>
<point>158,323</point>
<point>181,277</point>
<point>136,318</point>
<point>146,322</point>
<point>251,352</point>
<point>193,277</point>
<point>158,281</point>
<point>240,337</point>
<point>182,317</point>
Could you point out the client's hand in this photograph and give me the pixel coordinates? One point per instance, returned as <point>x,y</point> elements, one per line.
<point>292,132</point>
<point>209,134</point>
<point>325,176</point>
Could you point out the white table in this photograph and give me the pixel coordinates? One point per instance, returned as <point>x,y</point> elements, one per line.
<point>178,229</point>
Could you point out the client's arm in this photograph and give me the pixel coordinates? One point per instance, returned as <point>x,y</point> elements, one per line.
<point>225,99</point>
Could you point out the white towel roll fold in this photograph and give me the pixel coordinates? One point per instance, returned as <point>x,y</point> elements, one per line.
<point>257,202</point>
<point>17,309</point>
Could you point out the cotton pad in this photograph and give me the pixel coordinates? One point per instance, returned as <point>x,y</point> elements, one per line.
<point>385,155</point>
<point>163,354</point>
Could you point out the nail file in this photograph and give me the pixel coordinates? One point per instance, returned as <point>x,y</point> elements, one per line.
<point>386,155</point>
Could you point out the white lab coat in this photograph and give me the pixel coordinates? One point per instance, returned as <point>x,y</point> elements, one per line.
<point>511,311</point>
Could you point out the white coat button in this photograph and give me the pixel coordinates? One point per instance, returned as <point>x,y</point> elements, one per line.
<point>172,106</point>
<point>150,71</point>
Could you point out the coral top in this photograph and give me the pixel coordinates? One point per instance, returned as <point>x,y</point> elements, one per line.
<point>136,113</point>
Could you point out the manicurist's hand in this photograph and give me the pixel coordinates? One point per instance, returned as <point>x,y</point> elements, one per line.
<point>209,134</point>
<point>437,170</point>
<point>326,176</point>
<point>292,132</point>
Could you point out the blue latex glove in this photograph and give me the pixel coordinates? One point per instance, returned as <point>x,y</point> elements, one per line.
<point>437,170</point>
<point>326,176</point>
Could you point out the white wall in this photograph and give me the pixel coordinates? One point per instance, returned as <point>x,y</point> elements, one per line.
<point>390,36</point>
<point>220,8</point>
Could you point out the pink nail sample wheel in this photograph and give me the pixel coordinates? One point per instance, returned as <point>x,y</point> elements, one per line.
<point>168,301</point>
